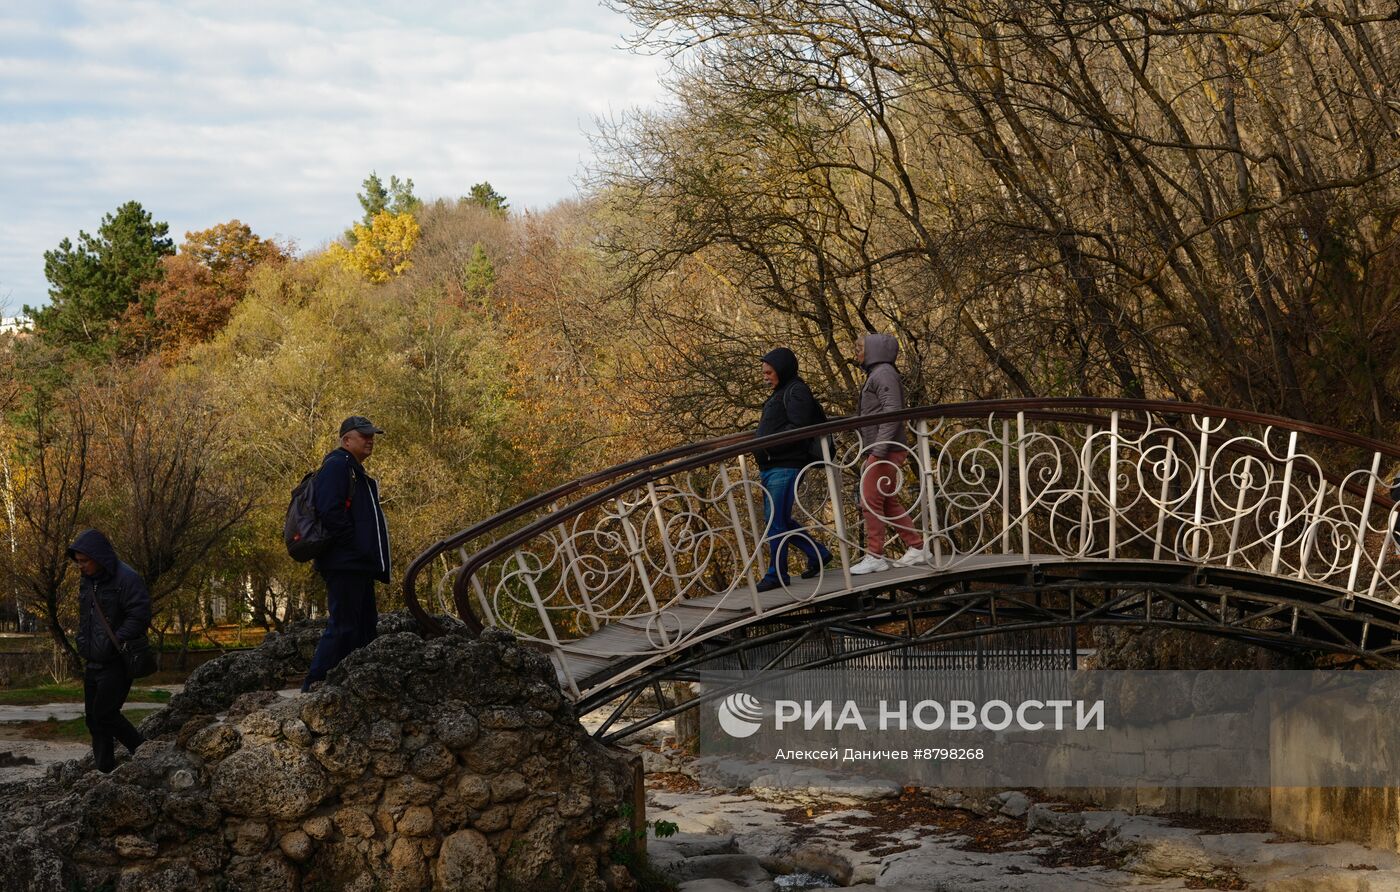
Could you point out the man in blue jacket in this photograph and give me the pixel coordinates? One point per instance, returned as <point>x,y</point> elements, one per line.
<point>118,591</point>
<point>347,503</point>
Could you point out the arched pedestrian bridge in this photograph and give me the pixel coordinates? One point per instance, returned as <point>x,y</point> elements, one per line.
<point>1041,516</point>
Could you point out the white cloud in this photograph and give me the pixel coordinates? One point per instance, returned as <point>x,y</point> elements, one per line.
<point>274,112</point>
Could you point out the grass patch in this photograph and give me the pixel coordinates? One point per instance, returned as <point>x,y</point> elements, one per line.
<point>73,729</point>
<point>38,695</point>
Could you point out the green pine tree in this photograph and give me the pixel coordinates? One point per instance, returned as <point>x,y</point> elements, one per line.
<point>485,195</point>
<point>92,283</point>
<point>397,198</point>
<point>479,276</point>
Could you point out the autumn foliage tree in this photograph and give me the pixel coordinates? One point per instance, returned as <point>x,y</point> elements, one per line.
<point>381,249</point>
<point>205,280</point>
<point>1182,200</point>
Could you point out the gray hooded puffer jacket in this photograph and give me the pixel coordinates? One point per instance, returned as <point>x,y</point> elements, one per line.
<point>883,392</point>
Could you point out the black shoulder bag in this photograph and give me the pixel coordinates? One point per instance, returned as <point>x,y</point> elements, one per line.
<point>136,654</point>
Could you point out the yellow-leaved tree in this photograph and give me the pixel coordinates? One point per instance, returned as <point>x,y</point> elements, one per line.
<point>382,249</point>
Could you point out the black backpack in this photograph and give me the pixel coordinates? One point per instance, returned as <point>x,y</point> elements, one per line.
<point>305,536</point>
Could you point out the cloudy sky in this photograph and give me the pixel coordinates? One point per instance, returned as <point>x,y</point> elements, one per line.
<point>274,112</point>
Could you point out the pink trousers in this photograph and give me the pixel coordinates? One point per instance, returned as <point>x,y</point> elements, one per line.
<point>878,481</point>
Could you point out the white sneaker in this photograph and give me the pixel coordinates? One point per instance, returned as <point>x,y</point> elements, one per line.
<point>869,564</point>
<point>913,557</point>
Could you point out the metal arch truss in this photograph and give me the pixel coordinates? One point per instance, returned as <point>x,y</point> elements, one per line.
<point>932,615</point>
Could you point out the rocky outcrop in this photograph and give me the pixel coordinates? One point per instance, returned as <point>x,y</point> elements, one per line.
<point>451,763</point>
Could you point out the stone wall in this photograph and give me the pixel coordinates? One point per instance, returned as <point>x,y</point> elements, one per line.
<point>452,763</point>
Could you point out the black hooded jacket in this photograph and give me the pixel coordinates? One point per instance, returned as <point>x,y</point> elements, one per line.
<point>122,594</point>
<point>791,406</point>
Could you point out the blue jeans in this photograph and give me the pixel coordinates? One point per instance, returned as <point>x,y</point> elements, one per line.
<point>354,618</point>
<point>780,486</point>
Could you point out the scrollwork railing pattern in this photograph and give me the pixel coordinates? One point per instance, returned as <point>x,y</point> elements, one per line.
<point>665,552</point>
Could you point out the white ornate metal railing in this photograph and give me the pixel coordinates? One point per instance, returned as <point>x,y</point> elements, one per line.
<point>664,551</point>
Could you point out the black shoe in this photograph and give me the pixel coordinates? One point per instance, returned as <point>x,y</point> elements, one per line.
<point>768,583</point>
<point>814,572</point>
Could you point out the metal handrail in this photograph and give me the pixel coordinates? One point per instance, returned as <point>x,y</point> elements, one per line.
<point>685,458</point>
<point>429,624</point>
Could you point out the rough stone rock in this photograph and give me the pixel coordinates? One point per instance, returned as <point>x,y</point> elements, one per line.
<point>408,867</point>
<point>475,791</point>
<point>319,827</point>
<point>738,868</point>
<point>296,845</point>
<point>508,787</point>
<point>495,751</point>
<point>341,755</point>
<point>279,781</point>
<point>811,859</point>
<point>207,852</point>
<point>384,736</point>
<point>1132,648</point>
<point>1172,857</point>
<point>295,730</point>
<point>466,863</point>
<point>1043,818</point>
<point>215,742</point>
<point>116,806</point>
<point>193,810</point>
<point>493,819</point>
<point>456,727</point>
<point>657,763</point>
<point>431,761</point>
<point>416,821</point>
<point>405,791</point>
<point>1014,804</point>
<point>249,838</point>
<point>537,858</point>
<point>213,687</point>
<point>383,778</point>
<point>266,873</point>
<point>169,879</point>
<point>354,823</point>
<point>132,847</point>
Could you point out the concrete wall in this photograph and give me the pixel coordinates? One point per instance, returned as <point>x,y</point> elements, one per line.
<point>1305,741</point>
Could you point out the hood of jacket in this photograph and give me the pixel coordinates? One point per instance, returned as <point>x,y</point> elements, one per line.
<point>98,547</point>
<point>784,362</point>
<point>879,348</point>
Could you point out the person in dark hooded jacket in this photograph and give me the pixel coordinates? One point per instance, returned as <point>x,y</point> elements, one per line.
<point>121,594</point>
<point>790,406</point>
